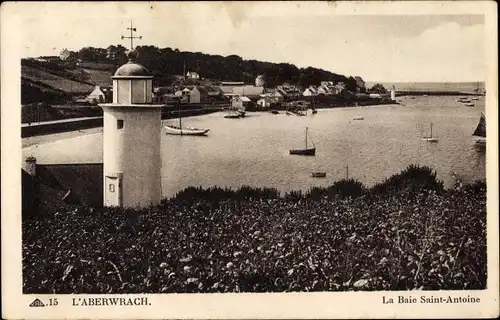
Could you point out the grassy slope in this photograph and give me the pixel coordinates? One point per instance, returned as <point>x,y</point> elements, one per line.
<point>57,79</point>
<point>405,233</point>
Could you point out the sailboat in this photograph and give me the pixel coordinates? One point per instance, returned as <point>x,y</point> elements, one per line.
<point>480,131</point>
<point>306,151</point>
<point>184,131</point>
<point>232,114</point>
<point>477,92</point>
<point>430,138</point>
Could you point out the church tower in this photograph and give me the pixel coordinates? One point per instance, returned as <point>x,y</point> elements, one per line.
<point>131,139</point>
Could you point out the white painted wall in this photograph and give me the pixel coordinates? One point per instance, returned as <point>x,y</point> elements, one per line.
<point>236,103</point>
<point>194,96</point>
<point>135,151</point>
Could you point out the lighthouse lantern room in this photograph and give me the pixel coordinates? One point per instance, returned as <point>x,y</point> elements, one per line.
<point>131,139</point>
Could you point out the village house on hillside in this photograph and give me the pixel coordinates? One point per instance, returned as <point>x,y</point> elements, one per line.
<point>309,92</point>
<point>239,89</point>
<point>192,75</point>
<point>197,94</point>
<point>277,95</point>
<point>100,94</point>
<point>288,92</point>
<point>239,102</point>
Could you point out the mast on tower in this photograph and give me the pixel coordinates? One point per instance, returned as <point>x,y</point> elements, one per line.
<point>132,37</point>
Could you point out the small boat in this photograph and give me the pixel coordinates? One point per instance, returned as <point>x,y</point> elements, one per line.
<point>318,174</point>
<point>275,112</point>
<point>184,131</point>
<point>480,132</point>
<point>294,113</point>
<point>241,112</point>
<point>430,138</point>
<point>306,151</point>
<point>314,111</point>
<point>469,104</point>
<point>358,118</point>
<point>233,114</point>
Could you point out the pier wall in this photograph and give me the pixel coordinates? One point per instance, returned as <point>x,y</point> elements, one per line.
<point>50,127</point>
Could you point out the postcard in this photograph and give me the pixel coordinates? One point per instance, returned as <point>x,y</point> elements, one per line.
<point>249,160</point>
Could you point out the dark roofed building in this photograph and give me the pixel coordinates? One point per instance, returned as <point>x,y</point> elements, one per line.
<point>54,185</point>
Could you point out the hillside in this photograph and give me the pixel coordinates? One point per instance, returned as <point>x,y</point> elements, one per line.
<point>46,81</point>
<point>56,82</point>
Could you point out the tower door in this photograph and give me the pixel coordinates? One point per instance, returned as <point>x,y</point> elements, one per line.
<point>113,193</point>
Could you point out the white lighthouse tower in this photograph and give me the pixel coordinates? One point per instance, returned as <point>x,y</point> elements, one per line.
<point>131,139</point>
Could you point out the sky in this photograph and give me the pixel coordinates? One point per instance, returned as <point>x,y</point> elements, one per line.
<point>400,47</point>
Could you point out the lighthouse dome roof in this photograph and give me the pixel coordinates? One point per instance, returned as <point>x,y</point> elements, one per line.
<point>131,68</point>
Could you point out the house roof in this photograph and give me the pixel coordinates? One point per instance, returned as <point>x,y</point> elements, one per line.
<point>85,180</point>
<point>243,98</point>
<point>202,89</point>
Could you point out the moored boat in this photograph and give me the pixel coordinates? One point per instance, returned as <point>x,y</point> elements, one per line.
<point>318,174</point>
<point>430,138</point>
<point>232,116</point>
<point>358,118</point>
<point>275,112</point>
<point>241,112</point>
<point>306,151</point>
<point>184,131</point>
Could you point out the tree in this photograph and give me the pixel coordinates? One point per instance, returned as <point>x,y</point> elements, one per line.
<point>378,88</point>
<point>166,62</point>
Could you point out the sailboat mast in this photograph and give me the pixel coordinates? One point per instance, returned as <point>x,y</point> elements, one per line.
<point>180,117</point>
<point>306,137</point>
<point>431,129</point>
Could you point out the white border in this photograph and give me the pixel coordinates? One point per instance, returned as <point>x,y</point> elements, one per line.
<point>290,305</point>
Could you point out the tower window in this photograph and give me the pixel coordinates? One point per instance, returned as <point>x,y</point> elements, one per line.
<point>119,124</point>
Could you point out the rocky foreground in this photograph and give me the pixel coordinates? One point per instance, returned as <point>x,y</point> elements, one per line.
<point>406,233</point>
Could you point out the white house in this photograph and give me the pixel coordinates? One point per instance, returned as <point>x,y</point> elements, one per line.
<point>239,102</point>
<point>194,95</point>
<point>277,95</point>
<point>324,90</point>
<point>309,92</point>
<point>264,103</point>
<point>100,94</point>
<point>192,75</point>
<point>248,90</point>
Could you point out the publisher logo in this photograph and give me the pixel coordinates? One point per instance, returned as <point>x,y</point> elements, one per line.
<point>37,303</point>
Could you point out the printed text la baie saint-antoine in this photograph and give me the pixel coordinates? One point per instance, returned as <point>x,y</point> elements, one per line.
<point>429,299</point>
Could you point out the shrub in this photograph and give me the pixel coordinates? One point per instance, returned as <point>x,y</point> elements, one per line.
<point>413,178</point>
